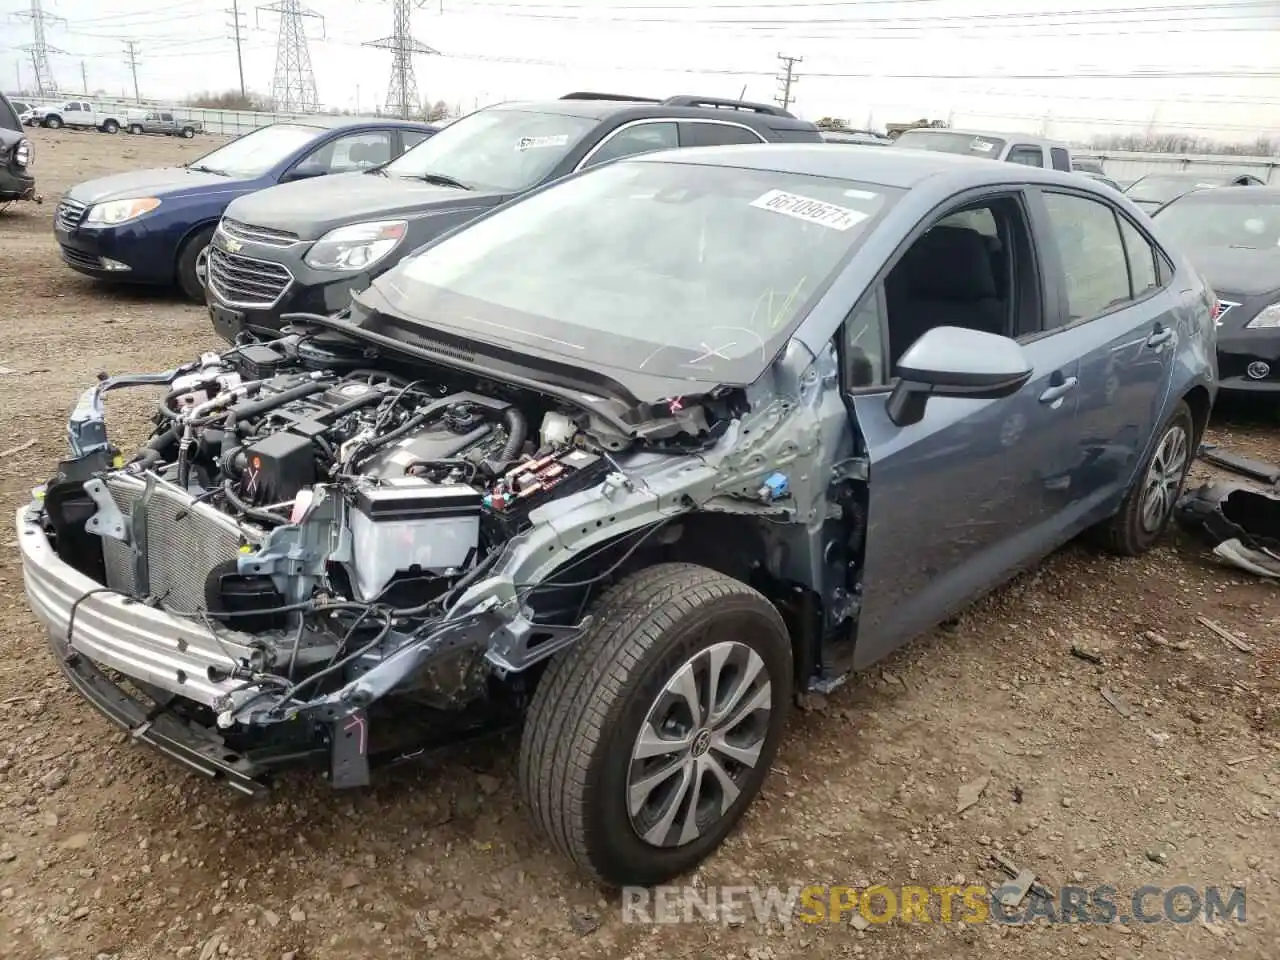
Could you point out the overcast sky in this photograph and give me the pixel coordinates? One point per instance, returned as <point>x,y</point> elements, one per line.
<point>999,64</point>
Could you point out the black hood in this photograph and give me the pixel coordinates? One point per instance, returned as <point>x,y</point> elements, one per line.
<point>1238,270</point>
<point>311,208</point>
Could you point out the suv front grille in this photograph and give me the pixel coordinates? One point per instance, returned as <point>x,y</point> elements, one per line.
<point>240,281</point>
<point>243,231</point>
<point>69,214</point>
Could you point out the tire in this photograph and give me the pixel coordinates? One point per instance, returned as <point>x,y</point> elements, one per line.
<point>1135,528</point>
<point>135,129</point>
<point>187,133</point>
<point>53,123</point>
<point>577,769</point>
<point>189,257</point>
<point>111,127</point>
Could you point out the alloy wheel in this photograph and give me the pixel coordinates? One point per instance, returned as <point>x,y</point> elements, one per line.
<point>700,740</point>
<point>1164,477</point>
<point>202,267</point>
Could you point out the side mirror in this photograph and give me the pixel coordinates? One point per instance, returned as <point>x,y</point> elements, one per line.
<point>956,362</point>
<point>302,172</point>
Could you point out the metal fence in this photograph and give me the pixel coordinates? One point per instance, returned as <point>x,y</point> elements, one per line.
<point>1121,165</point>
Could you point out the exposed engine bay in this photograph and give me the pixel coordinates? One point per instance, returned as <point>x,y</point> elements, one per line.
<point>311,528</point>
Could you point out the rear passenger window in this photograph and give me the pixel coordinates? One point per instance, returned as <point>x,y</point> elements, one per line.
<point>695,134</point>
<point>1027,156</point>
<point>1142,260</point>
<point>642,138</point>
<point>1060,159</point>
<point>1093,259</point>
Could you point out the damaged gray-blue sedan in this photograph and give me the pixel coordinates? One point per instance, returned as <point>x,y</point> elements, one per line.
<point>631,461</point>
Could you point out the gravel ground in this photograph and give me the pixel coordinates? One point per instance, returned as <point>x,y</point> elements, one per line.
<point>107,850</point>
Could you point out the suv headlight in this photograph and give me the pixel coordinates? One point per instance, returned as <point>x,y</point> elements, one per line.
<point>119,211</point>
<point>357,246</point>
<point>1267,319</point>
<point>23,153</point>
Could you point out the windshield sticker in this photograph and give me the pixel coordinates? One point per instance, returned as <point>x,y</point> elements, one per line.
<point>982,146</point>
<point>809,210</point>
<point>534,143</point>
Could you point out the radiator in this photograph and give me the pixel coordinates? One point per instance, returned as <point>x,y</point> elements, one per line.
<point>185,540</point>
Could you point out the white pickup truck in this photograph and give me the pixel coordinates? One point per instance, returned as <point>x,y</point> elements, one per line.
<point>80,114</point>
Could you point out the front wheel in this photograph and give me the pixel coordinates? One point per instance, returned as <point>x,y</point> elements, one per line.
<point>187,133</point>
<point>1148,506</point>
<point>53,123</point>
<point>647,740</point>
<point>193,265</point>
<point>135,129</point>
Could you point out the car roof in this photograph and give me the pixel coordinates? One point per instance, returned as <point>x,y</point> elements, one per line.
<point>994,134</point>
<point>1215,176</point>
<point>601,107</point>
<point>1261,196</point>
<point>338,123</point>
<point>904,168</point>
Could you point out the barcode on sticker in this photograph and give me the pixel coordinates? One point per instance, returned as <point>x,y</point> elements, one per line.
<point>532,143</point>
<point>810,210</point>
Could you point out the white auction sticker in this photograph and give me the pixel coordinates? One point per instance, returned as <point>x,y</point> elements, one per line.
<point>813,211</point>
<point>983,146</point>
<point>533,143</point>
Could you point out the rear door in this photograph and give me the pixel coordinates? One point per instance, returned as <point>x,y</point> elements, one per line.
<point>962,498</point>
<point>1118,312</point>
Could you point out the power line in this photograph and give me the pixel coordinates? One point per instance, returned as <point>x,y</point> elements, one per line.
<point>131,48</point>
<point>237,25</point>
<point>293,87</point>
<point>402,88</point>
<point>787,79</point>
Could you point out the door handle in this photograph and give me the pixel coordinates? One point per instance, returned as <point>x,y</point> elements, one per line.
<point>1162,334</point>
<point>1058,391</point>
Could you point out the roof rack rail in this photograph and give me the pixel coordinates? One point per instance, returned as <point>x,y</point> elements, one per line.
<point>589,95</point>
<point>687,100</point>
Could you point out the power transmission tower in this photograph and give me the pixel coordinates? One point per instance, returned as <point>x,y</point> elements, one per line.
<point>402,89</point>
<point>131,48</point>
<point>39,48</point>
<point>787,79</point>
<point>293,87</point>
<point>237,28</point>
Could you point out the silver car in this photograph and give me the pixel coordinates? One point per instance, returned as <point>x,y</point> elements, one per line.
<point>632,461</point>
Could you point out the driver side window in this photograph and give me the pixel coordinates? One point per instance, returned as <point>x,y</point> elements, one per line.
<point>357,151</point>
<point>972,268</point>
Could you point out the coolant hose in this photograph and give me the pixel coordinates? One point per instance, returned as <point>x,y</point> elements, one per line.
<point>248,510</point>
<point>517,431</point>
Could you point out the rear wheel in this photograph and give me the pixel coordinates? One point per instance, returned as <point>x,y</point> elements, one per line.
<point>53,123</point>
<point>188,133</point>
<point>1149,504</point>
<point>648,739</point>
<point>111,127</point>
<point>193,260</point>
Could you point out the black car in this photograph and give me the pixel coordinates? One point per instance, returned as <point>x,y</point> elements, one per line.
<point>1156,189</point>
<point>1233,238</point>
<point>304,247</point>
<point>16,180</point>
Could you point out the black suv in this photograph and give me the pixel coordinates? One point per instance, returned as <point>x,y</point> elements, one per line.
<point>304,247</point>
<point>16,179</point>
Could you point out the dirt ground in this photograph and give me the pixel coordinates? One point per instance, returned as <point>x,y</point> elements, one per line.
<point>110,851</point>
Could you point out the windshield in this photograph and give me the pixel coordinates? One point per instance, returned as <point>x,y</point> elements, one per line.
<point>670,270</point>
<point>255,153</point>
<point>1248,223</point>
<point>1163,189</point>
<point>951,142</point>
<point>498,150</point>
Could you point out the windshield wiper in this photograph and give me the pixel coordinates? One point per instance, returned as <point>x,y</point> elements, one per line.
<point>440,180</point>
<point>201,168</point>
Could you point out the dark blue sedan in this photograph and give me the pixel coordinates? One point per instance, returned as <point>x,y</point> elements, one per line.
<point>153,226</point>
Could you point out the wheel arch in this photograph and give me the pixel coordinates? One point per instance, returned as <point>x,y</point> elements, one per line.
<point>1200,402</point>
<point>187,237</point>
